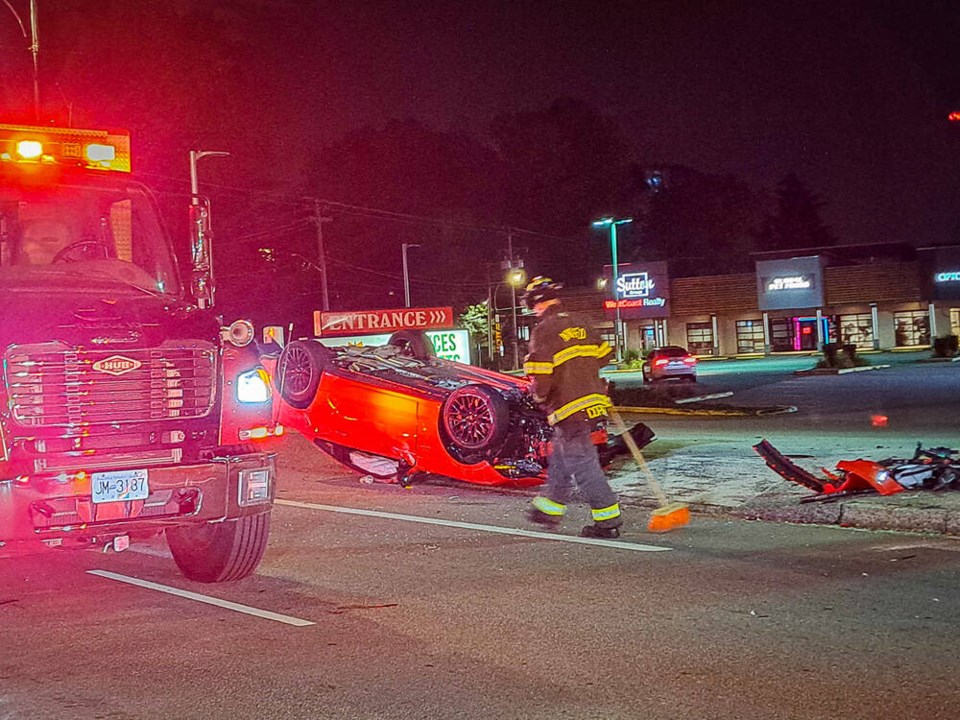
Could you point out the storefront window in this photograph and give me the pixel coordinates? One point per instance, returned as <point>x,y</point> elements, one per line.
<point>749,336</point>
<point>955,321</point>
<point>700,338</point>
<point>781,335</point>
<point>911,327</point>
<point>857,330</point>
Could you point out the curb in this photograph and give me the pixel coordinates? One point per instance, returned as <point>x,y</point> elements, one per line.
<point>838,371</point>
<point>744,412</point>
<point>940,521</point>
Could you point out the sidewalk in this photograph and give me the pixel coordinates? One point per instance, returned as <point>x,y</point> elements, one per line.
<point>720,474</point>
<point>723,475</point>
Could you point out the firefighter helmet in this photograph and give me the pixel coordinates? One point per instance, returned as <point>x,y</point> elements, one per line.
<point>541,289</point>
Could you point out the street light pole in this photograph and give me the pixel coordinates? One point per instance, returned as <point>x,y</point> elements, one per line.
<point>319,220</point>
<point>202,250</point>
<point>195,157</point>
<point>618,330</point>
<point>406,274</point>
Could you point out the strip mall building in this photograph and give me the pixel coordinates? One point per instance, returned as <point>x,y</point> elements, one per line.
<point>877,297</point>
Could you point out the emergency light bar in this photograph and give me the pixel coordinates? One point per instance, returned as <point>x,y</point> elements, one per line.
<point>65,147</point>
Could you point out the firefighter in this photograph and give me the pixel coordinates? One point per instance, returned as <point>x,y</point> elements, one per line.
<point>564,364</point>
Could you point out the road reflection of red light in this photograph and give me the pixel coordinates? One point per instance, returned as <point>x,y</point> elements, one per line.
<point>879,420</point>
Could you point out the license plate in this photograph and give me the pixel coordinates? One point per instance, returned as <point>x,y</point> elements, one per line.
<point>119,485</point>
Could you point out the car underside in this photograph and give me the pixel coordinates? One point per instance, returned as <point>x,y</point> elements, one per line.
<point>387,413</point>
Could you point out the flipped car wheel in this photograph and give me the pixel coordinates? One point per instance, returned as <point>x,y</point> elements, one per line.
<point>298,371</point>
<point>413,343</point>
<point>475,419</point>
<point>218,551</point>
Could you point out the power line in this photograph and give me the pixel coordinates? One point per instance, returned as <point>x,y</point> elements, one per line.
<point>377,213</point>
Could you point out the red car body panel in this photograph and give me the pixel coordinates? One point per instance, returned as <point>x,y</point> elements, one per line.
<point>399,421</point>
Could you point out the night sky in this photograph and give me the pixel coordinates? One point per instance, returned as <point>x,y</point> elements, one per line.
<point>851,96</point>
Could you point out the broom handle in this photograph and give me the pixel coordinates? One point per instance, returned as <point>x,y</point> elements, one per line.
<point>638,457</point>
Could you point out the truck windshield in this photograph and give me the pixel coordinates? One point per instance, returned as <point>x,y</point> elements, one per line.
<point>102,234</point>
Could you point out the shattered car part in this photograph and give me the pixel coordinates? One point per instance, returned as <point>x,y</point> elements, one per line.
<point>929,469</point>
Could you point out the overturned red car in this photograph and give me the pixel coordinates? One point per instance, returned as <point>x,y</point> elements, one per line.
<point>396,410</point>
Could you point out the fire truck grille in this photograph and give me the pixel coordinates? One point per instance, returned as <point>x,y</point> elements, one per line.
<point>50,385</point>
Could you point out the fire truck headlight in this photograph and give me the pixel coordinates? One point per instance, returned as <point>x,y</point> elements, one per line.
<point>253,386</point>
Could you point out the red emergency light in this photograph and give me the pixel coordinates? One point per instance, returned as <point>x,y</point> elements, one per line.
<point>65,147</point>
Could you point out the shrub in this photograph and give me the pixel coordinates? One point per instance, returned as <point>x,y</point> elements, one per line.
<point>945,346</point>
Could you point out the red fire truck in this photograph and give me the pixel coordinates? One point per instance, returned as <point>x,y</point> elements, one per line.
<point>126,408</point>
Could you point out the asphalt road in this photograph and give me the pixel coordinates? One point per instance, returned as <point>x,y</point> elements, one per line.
<point>378,602</point>
<point>401,615</point>
<point>915,398</point>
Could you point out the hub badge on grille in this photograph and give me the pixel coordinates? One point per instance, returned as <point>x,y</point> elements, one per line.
<point>116,365</point>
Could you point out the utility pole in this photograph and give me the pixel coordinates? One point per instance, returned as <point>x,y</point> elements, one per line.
<point>406,274</point>
<point>319,219</point>
<point>513,305</point>
<point>35,51</point>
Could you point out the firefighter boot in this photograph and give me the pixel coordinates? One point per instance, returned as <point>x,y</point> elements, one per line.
<point>541,518</point>
<point>598,531</point>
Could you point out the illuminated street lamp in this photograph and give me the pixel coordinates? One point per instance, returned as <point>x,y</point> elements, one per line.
<point>515,278</point>
<point>612,224</point>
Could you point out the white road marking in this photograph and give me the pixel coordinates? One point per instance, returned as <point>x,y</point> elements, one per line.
<point>236,607</point>
<point>943,544</point>
<point>151,551</point>
<point>619,544</point>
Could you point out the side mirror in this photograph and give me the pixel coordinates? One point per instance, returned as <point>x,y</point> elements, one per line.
<point>201,256</point>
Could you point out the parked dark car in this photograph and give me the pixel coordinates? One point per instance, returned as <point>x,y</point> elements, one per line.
<point>670,361</point>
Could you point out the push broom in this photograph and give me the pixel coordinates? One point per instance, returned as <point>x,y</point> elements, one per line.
<point>668,516</point>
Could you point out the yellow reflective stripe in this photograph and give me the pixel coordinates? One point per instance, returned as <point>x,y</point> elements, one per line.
<point>575,406</point>
<point>548,506</point>
<point>575,351</point>
<point>604,349</point>
<point>607,513</point>
<point>538,368</point>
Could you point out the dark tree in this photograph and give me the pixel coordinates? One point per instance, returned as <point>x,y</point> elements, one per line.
<point>700,224</point>
<point>796,223</point>
<point>566,165</point>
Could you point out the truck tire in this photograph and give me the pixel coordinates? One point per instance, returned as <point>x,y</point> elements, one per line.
<point>220,551</point>
<point>413,343</point>
<point>299,368</point>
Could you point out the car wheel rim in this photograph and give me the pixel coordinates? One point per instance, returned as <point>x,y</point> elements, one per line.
<point>470,421</point>
<point>296,370</point>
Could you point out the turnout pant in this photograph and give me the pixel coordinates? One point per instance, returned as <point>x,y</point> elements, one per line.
<point>574,464</point>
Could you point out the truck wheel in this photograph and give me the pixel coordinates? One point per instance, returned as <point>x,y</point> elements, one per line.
<point>218,551</point>
<point>298,371</point>
<point>413,343</point>
<point>475,419</point>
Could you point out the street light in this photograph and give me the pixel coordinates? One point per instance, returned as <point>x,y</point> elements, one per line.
<point>195,157</point>
<point>406,274</point>
<point>612,224</point>
<point>201,252</point>
<point>515,278</point>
